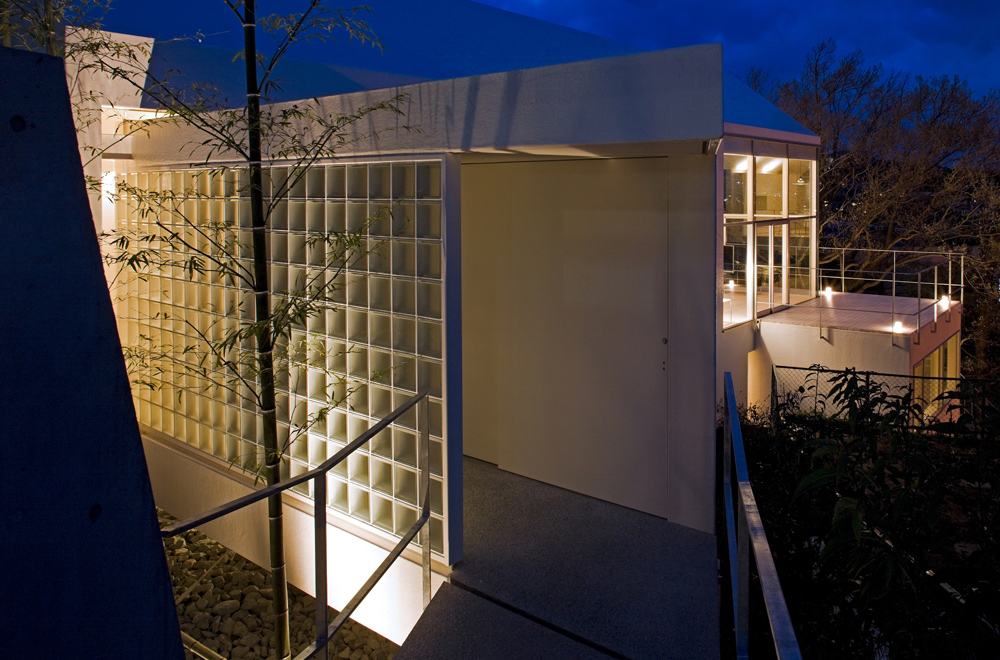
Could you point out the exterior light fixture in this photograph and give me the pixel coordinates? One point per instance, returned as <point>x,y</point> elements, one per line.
<point>828,292</point>
<point>897,327</point>
<point>945,302</point>
<point>732,285</point>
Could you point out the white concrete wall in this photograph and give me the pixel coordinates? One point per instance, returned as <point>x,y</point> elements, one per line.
<point>801,346</point>
<point>574,274</point>
<point>734,346</point>
<point>187,483</point>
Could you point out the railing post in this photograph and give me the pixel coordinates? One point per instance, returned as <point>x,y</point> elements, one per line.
<point>920,283</point>
<point>843,281</point>
<point>319,526</point>
<point>425,486</point>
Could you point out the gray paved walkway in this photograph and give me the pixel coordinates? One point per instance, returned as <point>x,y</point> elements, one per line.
<point>628,583</point>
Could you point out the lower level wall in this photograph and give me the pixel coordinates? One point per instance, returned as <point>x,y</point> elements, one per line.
<point>801,346</point>
<point>186,484</point>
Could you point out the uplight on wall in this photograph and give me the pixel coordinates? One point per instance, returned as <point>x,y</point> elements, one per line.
<point>770,166</point>
<point>742,166</point>
<point>109,185</point>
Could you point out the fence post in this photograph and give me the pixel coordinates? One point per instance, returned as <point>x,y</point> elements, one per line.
<point>774,397</point>
<point>319,527</point>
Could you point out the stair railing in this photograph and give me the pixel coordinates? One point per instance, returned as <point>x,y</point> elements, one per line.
<point>744,530</point>
<point>325,630</point>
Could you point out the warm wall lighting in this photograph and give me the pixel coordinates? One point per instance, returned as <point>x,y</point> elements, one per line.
<point>897,327</point>
<point>109,185</point>
<point>770,166</point>
<point>742,166</point>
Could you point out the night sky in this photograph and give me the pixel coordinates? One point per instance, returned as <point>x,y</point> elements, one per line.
<point>922,37</point>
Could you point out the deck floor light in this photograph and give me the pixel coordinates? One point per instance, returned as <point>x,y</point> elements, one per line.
<point>897,327</point>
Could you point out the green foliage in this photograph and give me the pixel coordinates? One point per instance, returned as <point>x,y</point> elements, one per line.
<point>868,515</point>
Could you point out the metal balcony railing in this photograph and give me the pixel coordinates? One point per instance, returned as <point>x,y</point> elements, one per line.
<point>325,630</point>
<point>743,531</point>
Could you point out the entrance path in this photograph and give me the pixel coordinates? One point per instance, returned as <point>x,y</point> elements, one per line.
<point>569,576</point>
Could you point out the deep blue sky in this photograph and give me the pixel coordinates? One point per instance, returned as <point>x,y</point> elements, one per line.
<point>925,37</point>
<point>920,37</point>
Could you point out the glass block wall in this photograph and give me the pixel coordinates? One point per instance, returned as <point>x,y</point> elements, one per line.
<point>384,336</point>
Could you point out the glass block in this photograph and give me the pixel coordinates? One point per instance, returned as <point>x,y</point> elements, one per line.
<point>357,398</point>
<point>429,260</point>
<point>317,449</point>
<point>357,468</point>
<point>279,181</point>
<point>336,216</point>
<point>356,425</point>
<point>279,246</point>
<point>297,249</point>
<point>381,511</point>
<point>381,330</point>
<point>381,476</point>
<point>336,186</point>
<point>403,223</point>
<point>316,217</point>
<point>297,183</point>
<point>357,290</point>
<point>380,222</point>
<point>295,469</point>
<point>437,535</point>
<point>429,220</point>
<point>381,402</point>
<point>380,293</point>
<point>358,502</point>
<point>357,217</point>
<point>404,373</point>
<point>405,487</point>
<point>403,180</point>
<point>357,362</point>
<point>357,325</point>
<point>316,182</point>
<point>429,338</point>
<point>336,426</point>
<point>436,458</point>
<point>379,259</point>
<point>404,334</point>
<point>380,364</point>
<point>429,299</point>
<point>381,443</point>
<point>357,181</point>
<point>429,180</point>
<point>405,518</point>
<point>379,182</point>
<point>437,497</point>
<point>429,377</point>
<point>434,425</point>
<point>336,491</point>
<point>403,258</point>
<point>404,447</point>
<point>336,356</point>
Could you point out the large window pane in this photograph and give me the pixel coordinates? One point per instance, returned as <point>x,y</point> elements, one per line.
<point>768,177</point>
<point>734,199</point>
<point>800,267</point>
<point>800,186</point>
<point>734,275</point>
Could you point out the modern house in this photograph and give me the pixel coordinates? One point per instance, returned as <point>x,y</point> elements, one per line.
<point>577,252</point>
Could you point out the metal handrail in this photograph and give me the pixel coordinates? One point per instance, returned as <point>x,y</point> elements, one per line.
<point>325,632</point>
<point>744,530</point>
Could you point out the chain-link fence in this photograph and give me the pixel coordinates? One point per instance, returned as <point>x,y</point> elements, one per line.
<point>811,389</point>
